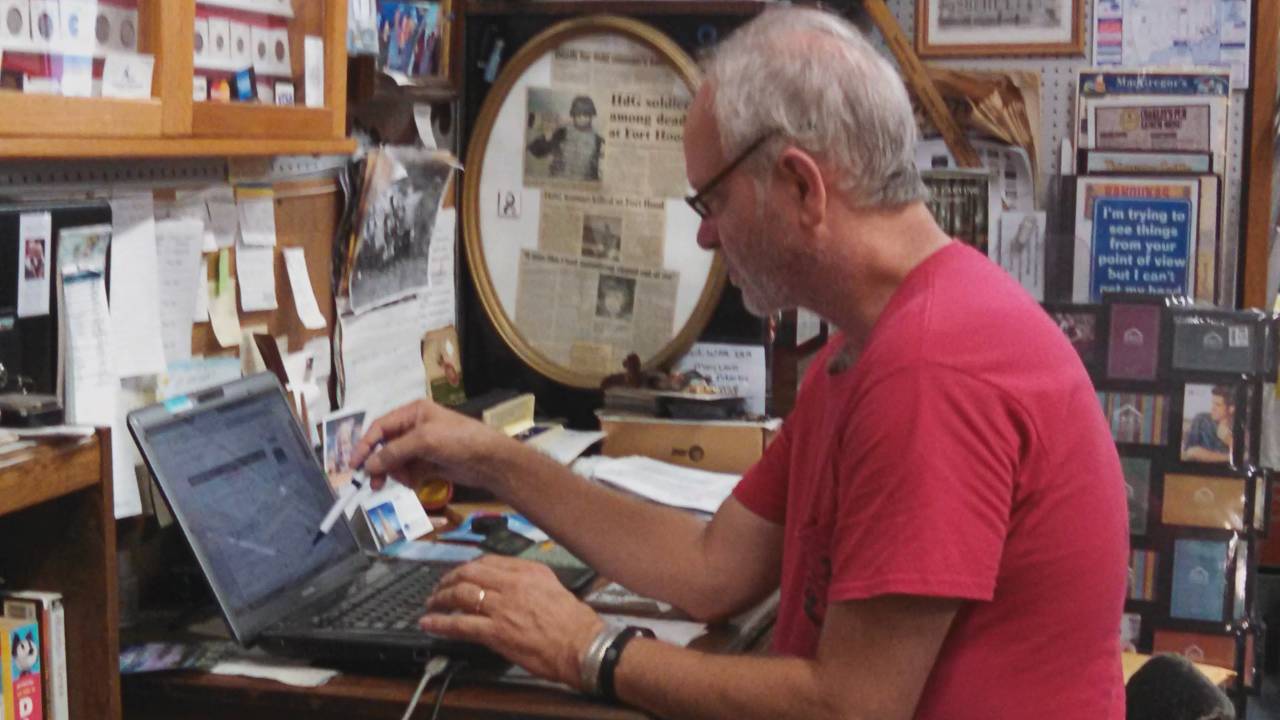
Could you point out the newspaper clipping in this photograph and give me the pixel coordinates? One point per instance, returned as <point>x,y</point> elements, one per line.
<point>615,228</point>
<point>588,314</point>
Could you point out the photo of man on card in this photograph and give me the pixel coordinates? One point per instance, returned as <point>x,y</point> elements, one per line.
<point>1208,423</point>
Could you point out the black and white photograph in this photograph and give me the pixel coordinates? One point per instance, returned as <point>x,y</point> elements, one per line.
<point>602,237</point>
<point>398,213</point>
<point>615,297</point>
<point>563,140</point>
<point>999,27</point>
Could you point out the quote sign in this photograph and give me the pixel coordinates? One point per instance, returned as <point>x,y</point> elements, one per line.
<point>1141,246</point>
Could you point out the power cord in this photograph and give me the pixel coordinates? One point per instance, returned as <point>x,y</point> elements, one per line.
<point>433,668</point>
<point>444,685</point>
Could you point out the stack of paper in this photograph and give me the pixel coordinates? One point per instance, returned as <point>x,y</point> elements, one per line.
<point>666,483</point>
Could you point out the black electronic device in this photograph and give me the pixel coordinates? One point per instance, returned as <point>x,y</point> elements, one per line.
<point>505,542</point>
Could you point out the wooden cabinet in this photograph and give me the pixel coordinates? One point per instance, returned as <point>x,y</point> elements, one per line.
<point>173,122</point>
<point>58,531</point>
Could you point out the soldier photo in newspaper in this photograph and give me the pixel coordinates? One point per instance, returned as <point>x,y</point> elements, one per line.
<point>561,140</point>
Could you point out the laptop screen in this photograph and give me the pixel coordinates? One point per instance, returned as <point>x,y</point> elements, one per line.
<point>247,491</point>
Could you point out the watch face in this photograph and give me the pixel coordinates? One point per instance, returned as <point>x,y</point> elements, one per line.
<point>102,30</point>
<point>280,51</point>
<point>45,26</point>
<point>128,34</point>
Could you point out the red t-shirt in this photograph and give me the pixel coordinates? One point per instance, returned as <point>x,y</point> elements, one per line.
<point>964,455</point>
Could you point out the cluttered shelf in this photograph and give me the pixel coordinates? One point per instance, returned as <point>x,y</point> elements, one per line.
<point>31,475</point>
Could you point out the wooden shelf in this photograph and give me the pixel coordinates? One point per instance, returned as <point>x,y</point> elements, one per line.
<point>44,148</point>
<point>47,472</point>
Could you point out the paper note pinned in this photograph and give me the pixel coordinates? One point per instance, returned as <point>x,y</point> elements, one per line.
<point>202,293</point>
<point>34,263</point>
<point>304,296</point>
<point>178,248</point>
<point>313,63</point>
<point>135,287</point>
<point>257,214</point>
<point>224,217</point>
<point>256,272</point>
<point>222,307</point>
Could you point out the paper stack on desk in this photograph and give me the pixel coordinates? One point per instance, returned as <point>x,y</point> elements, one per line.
<point>666,483</point>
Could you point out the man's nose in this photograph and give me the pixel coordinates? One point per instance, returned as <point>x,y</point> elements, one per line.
<point>708,236</point>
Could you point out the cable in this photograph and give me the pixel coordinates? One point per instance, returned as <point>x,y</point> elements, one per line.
<point>444,685</point>
<point>434,667</point>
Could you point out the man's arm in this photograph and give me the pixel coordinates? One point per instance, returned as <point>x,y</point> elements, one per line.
<point>709,570</point>
<point>874,656</point>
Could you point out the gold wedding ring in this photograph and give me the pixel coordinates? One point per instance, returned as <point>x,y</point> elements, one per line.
<point>479,603</point>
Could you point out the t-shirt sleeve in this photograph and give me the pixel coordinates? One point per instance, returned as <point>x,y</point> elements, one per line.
<point>763,488</point>
<point>925,487</point>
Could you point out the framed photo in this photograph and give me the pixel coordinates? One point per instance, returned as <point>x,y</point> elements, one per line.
<point>1209,423</point>
<point>965,28</point>
<point>1200,580</point>
<point>1204,501</point>
<point>1133,348</point>
<point>1137,485</point>
<point>1136,418</point>
<point>1083,326</point>
<point>1226,342</point>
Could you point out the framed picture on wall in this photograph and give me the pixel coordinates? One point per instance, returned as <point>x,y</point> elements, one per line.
<point>959,28</point>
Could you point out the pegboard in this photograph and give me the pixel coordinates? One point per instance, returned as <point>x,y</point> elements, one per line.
<point>1057,109</point>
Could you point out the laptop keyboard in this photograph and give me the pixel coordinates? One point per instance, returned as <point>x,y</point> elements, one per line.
<point>393,605</point>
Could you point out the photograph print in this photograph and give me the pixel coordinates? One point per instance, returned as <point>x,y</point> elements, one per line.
<point>398,215</point>
<point>33,259</point>
<point>615,297</point>
<point>999,27</point>
<point>340,433</point>
<point>1208,423</point>
<point>563,140</point>
<point>386,524</point>
<point>602,237</point>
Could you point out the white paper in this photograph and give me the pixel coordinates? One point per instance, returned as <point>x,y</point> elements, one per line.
<point>91,381</point>
<point>194,374</point>
<point>288,672</point>
<point>191,206</point>
<point>257,214</point>
<point>256,275</point>
<point>1191,34</point>
<point>77,76</point>
<point>564,445</point>
<point>733,369</point>
<point>201,304</point>
<point>440,296</point>
<point>407,519</point>
<point>131,394</point>
<point>127,76</point>
<point>224,217</point>
<point>135,287</point>
<point>178,250</point>
<point>35,264</point>
<point>313,62</point>
<point>666,483</point>
<point>675,632</point>
<point>381,352</point>
<point>223,316</point>
<point>304,296</point>
<point>422,120</point>
<point>808,325</point>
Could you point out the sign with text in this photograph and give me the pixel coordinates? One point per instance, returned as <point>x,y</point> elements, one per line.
<point>1141,246</point>
<point>733,369</point>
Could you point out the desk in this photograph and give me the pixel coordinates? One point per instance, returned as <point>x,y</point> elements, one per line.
<point>203,696</point>
<point>1222,677</point>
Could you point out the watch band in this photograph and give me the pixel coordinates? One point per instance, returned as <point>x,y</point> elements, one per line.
<point>589,664</point>
<point>612,654</point>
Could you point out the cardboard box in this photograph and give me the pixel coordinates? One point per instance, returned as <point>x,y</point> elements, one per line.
<point>729,446</point>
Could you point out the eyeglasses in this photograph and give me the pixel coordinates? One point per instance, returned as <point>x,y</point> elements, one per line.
<point>698,201</point>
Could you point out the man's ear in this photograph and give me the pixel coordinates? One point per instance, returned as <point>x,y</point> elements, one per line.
<point>802,178</point>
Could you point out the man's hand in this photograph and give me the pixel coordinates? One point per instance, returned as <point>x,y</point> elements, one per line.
<point>423,440</point>
<point>518,609</point>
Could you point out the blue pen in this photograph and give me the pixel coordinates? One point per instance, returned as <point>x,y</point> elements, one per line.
<point>351,494</point>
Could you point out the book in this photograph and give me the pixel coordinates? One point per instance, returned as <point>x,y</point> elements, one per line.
<point>53,643</point>
<point>20,668</point>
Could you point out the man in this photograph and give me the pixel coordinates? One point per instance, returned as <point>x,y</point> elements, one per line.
<point>944,510</point>
<point>1210,435</point>
<point>575,149</point>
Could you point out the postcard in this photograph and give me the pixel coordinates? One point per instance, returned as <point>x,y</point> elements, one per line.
<point>1208,423</point>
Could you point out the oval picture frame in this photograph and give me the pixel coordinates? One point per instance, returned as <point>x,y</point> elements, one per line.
<point>582,249</point>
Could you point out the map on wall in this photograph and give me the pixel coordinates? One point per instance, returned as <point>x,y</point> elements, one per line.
<point>1174,33</point>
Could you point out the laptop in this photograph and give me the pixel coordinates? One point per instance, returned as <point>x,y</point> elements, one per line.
<point>248,493</point>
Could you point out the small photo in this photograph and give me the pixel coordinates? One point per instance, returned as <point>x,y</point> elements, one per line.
<point>1081,328</point>
<point>1133,352</point>
<point>442,359</point>
<point>1208,423</point>
<point>615,297</point>
<point>341,433</point>
<point>386,524</point>
<point>1137,485</point>
<point>1137,418</point>
<point>33,260</point>
<point>602,237</point>
<point>562,139</point>
<point>1130,632</point>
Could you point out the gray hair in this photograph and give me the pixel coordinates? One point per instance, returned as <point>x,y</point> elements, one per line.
<point>815,80</point>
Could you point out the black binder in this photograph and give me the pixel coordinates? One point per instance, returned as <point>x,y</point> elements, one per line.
<point>29,346</point>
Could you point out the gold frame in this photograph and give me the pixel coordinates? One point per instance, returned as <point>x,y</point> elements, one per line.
<point>1074,46</point>
<point>534,50</point>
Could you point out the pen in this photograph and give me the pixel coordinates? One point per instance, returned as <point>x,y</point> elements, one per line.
<point>350,495</point>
